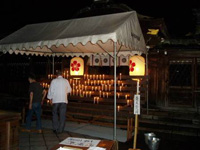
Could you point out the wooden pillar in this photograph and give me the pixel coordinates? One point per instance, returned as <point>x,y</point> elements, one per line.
<point>7,135</point>
<point>129,128</point>
<point>23,115</point>
<point>136,131</point>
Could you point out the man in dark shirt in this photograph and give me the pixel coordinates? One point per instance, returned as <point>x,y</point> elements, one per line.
<point>37,95</point>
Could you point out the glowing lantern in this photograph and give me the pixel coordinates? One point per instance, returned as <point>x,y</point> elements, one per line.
<point>136,66</point>
<point>76,66</point>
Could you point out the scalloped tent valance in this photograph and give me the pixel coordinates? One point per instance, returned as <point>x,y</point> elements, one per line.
<point>77,37</point>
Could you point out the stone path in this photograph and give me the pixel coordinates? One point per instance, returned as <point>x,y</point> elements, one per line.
<point>45,140</point>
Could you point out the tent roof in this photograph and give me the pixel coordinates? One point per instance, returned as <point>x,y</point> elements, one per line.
<point>77,37</point>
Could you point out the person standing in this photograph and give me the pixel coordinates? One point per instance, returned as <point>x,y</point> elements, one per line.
<point>58,94</point>
<point>37,95</point>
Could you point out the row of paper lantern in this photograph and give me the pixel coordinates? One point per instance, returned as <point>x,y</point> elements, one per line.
<point>136,66</point>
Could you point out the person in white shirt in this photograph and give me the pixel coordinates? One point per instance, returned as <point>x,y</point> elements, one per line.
<point>58,93</point>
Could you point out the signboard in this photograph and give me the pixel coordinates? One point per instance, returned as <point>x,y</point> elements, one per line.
<point>137,104</point>
<point>80,142</point>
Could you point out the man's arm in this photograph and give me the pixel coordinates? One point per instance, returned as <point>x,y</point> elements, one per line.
<point>44,93</point>
<point>31,100</point>
<point>50,91</point>
<point>69,89</point>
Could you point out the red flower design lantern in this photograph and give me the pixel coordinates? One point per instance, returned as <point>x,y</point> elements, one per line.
<point>76,66</point>
<point>137,66</point>
<point>131,66</point>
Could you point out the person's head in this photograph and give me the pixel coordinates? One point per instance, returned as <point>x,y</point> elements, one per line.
<point>31,78</point>
<point>59,73</point>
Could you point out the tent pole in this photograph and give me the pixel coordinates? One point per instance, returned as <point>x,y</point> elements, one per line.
<point>52,64</point>
<point>147,93</point>
<point>115,87</point>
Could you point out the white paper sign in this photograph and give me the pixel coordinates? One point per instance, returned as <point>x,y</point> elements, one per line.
<point>137,104</point>
<point>80,142</point>
<point>96,148</point>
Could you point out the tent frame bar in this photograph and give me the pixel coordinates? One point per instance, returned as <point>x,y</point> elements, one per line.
<point>108,52</point>
<point>104,50</point>
<point>115,90</point>
<point>53,65</point>
<point>115,86</point>
<point>147,74</point>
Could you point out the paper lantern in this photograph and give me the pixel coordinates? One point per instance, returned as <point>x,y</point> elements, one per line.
<point>137,66</point>
<point>76,66</point>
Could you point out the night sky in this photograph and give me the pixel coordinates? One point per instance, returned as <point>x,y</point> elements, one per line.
<point>15,14</point>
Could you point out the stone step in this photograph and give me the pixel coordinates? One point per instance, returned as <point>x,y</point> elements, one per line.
<point>169,131</point>
<point>179,123</point>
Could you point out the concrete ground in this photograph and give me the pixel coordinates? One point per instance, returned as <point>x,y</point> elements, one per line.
<point>47,139</point>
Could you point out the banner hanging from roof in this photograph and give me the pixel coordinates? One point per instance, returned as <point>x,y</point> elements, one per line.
<point>107,60</point>
<point>123,60</point>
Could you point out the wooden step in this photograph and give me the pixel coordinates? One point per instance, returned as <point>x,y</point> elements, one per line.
<point>179,123</point>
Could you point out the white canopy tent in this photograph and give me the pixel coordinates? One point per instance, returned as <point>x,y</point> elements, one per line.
<point>78,36</point>
<point>112,34</point>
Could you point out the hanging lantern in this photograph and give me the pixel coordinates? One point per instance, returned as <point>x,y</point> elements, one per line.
<point>137,66</point>
<point>76,66</point>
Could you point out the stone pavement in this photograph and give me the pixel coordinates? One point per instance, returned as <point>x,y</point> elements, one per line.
<point>88,129</point>
<point>45,140</point>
